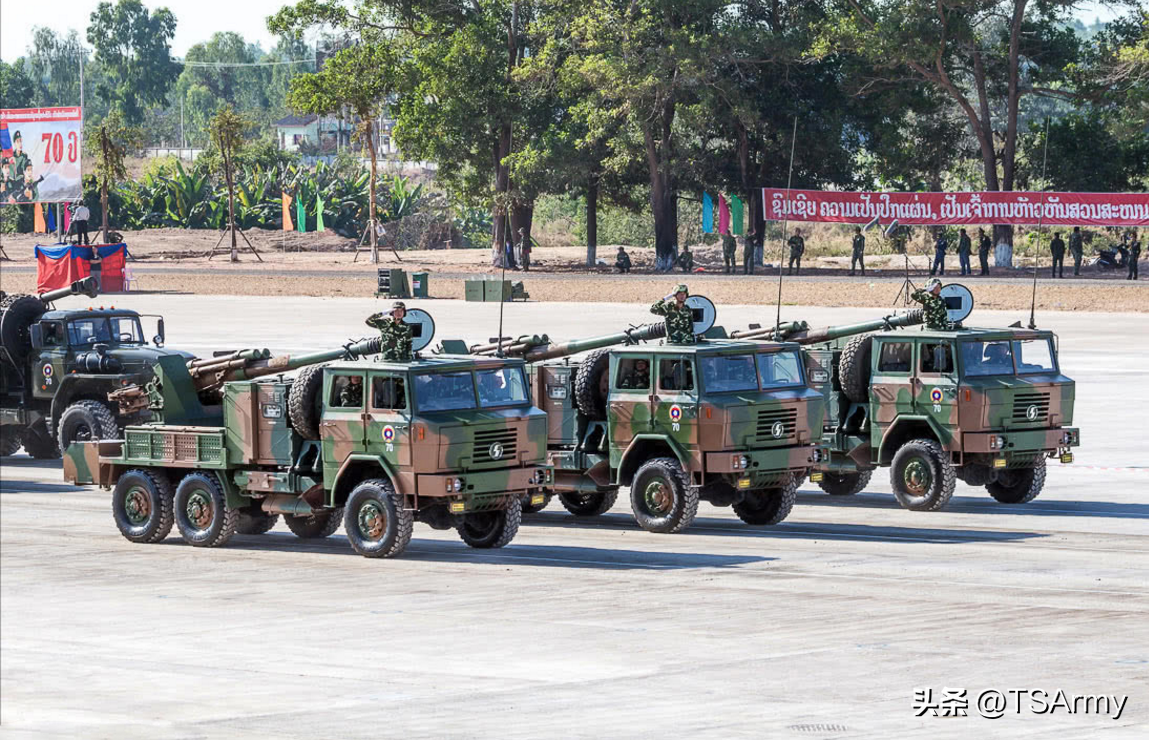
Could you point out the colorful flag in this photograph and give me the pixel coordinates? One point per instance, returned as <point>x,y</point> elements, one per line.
<point>736,228</point>
<point>67,220</point>
<point>38,219</point>
<point>5,141</point>
<point>300,216</point>
<point>51,218</point>
<point>287,225</point>
<point>707,214</point>
<point>723,216</point>
<point>318,213</point>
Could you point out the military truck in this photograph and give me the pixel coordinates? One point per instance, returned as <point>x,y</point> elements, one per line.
<point>57,368</point>
<point>986,406</point>
<point>376,446</point>
<point>729,422</point>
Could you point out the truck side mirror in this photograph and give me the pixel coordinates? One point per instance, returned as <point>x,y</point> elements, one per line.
<point>36,331</point>
<point>159,337</point>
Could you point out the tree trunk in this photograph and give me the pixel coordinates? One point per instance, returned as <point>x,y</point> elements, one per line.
<point>663,205</point>
<point>503,150</point>
<point>591,222</point>
<point>371,225</point>
<point>104,183</point>
<point>757,227</point>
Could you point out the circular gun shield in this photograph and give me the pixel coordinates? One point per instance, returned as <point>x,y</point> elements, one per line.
<point>422,328</point>
<point>703,312</point>
<point>958,300</point>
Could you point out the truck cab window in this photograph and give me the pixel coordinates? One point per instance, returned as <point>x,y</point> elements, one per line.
<point>347,391</point>
<point>894,357</point>
<point>936,359</point>
<point>676,374</point>
<point>633,374</point>
<point>389,394</point>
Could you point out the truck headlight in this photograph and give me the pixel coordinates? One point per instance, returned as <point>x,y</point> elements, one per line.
<point>458,484</point>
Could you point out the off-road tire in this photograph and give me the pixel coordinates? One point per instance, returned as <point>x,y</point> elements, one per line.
<point>259,522</point>
<point>314,526</point>
<point>9,440</point>
<point>663,477</point>
<point>142,506</point>
<point>17,314</point>
<point>767,505</point>
<point>41,446</point>
<point>588,392</point>
<point>302,409</point>
<point>854,368</point>
<point>845,484</point>
<point>1018,485</point>
<point>529,508</point>
<point>588,504</point>
<point>487,530</point>
<point>935,464</point>
<point>218,522</point>
<point>94,416</point>
<point>375,521</point>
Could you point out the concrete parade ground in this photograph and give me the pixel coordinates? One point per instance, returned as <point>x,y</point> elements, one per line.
<point>823,626</point>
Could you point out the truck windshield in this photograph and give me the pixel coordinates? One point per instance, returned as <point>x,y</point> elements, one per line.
<point>780,369</point>
<point>445,391</point>
<point>101,330</point>
<point>503,386</point>
<point>749,372</point>
<point>1034,356</point>
<point>986,358</point>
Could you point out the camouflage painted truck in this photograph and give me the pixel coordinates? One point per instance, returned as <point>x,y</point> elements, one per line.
<point>57,368</point>
<point>449,441</point>
<point>730,422</point>
<point>987,406</point>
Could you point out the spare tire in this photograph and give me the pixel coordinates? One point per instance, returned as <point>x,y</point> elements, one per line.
<point>17,314</point>
<point>854,368</point>
<point>592,384</point>
<point>303,401</point>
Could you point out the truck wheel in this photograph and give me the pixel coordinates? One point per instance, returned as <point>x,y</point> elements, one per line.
<point>854,368</point>
<point>768,505</point>
<point>536,508</point>
<point>259,522</point>
<point>375,521</point>
<point>86,421</point>
<point>662,498</point>
<point>303,407</point>
<point>490,529</point>
<point>17,314</point>
<point>1018,485</point>
<point>315,526</point>
<point>201,511</point>
<point>39,445</point>
<point>845,484</point>
<point>588,504</point>
<point>9,440</point>
<point>142,506</point>
<point>922,476</point>
<point>592,384</point>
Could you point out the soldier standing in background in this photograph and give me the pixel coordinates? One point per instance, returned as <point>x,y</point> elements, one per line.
<point>859,248</point>
<point>729,253</point>
<point>797,247</point>
<point>395,332</point>
<point>940,247</point>
<point>1057,249</point>
<point>964,249</point>
<point>679,318</point>
<point>1134,256</point>
<point>524,249</point>
<point>1076,249</point>
<point>983,246</point>
<point>622,261</point>
<point>748,256</point>
<point>933,306</point>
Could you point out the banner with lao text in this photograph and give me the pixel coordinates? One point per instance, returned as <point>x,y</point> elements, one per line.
<point>39,155</point>
<point>1018,208</point>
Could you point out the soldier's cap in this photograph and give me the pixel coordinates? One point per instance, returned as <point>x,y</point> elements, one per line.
<point>934,283</point>
<point>681,288</point>
<point>398,304</point>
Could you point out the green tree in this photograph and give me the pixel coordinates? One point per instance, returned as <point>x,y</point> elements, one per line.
<point>133,47</point>
<point>16,89</point>
<point>227,133</point>
<point>359,78</point>
<point>108,144</point>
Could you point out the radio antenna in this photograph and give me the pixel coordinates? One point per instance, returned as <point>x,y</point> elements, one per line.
<point>502,287</point>
<point>1040,220</point>
<point>785,227</point>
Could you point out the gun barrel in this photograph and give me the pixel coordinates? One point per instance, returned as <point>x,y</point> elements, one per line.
<point>551,350</point>
<point>88,286</point>
<point>251,364</point>
<point>802,334</point>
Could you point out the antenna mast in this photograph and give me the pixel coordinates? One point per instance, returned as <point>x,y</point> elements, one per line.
<point>785,225</point>
<point>1040,220</point>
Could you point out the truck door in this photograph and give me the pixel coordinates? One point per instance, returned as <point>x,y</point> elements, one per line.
<point>891,385</point>
<point>388,418</point>
<point>676,405</point>
<point>936,393</point>
<point>628,401</point>
<point>342,427</point>
<point>49,364</point>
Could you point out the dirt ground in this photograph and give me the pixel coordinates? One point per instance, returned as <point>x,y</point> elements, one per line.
<point>174,260</point>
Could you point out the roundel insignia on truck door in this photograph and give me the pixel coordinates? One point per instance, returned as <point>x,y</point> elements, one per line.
<point>422,328</point>
<point>936,395</point>
<point>777,430</point>
<point>47,371</point>
<point>496,451</point>
<point>1031,413</point>
<point>388,433</point>
<point>675,412</point>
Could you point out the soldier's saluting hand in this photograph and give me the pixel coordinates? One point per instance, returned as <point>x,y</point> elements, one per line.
<point>396,333</point>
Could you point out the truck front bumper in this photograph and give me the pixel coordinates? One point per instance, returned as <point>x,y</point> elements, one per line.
<point>1003,445</point>
<point>764,466</point>
<point>487,489</point>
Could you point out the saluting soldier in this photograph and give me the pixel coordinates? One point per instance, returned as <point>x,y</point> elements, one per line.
<point>797,247</point>
<point>983,246</point>
<point>395,332</point>
<point>1076,248</point>
<point>729,253</point>
<point>933,306</point>
<point>859,248</point>
<point>1057,249</point>
<point>964,249</point>
<point>1134,256</point>
<point>679,318</point>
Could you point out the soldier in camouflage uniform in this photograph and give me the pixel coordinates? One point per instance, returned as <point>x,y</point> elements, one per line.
<point>1134,257</point>
<point>1057,249</point>
<point>797,247</point>
<point>637,378</point>
<point>352,394</point>
<point>933,306</point>
<point>983,246</point>
<point>858,251</point>
<point>1076,249</point>
<point>729,253</point>
<point>679,319</point>
<point>396,333</point>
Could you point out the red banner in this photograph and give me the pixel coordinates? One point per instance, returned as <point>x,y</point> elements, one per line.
<point>1017,208</point>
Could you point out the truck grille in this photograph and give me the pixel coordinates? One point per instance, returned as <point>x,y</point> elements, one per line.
<point>769,418</point>
<point>1030,408</point>
<point>489,442</point>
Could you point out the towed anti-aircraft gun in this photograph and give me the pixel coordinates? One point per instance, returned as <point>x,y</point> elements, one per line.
<point>984,405</point>
<point>730,422</point>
